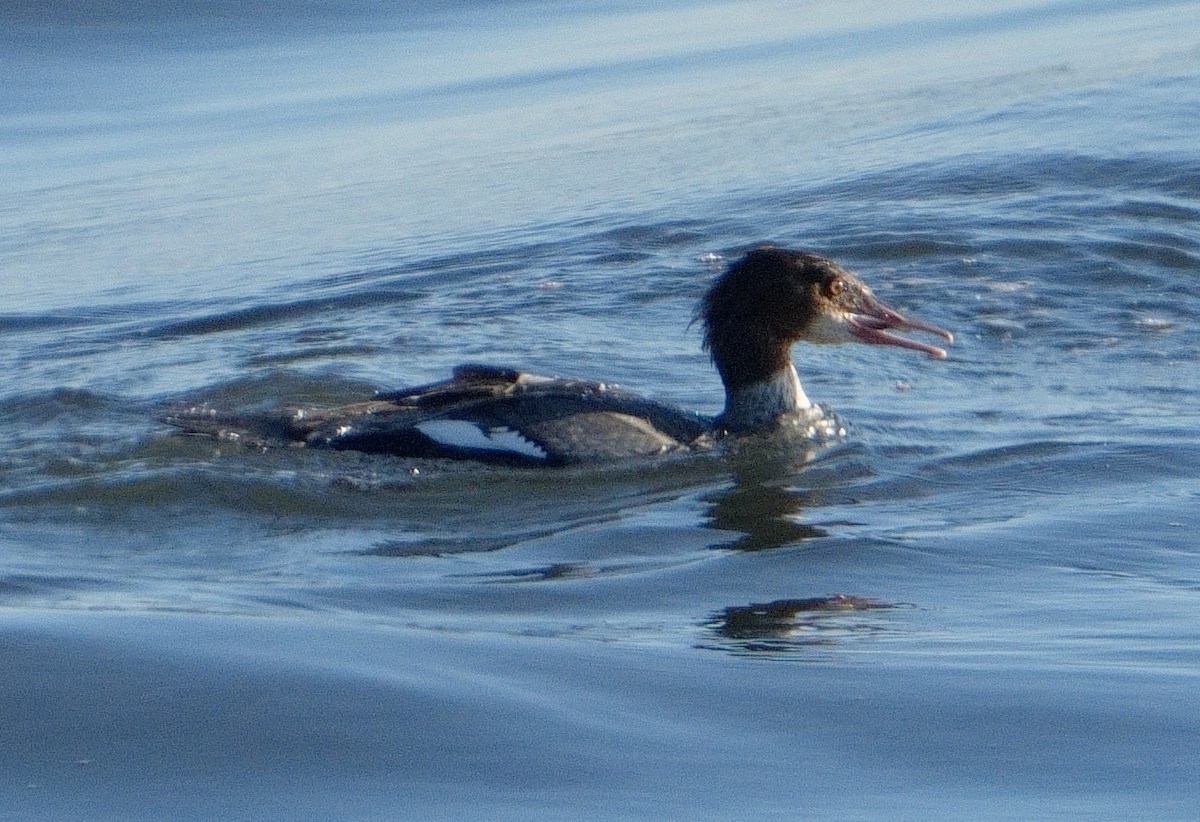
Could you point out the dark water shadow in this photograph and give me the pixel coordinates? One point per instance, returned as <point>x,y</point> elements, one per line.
<point>764,514</point>
<point>794,628</point>
<point>772,487</point>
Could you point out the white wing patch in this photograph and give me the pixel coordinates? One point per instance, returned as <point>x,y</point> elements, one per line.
<point>463,434</point>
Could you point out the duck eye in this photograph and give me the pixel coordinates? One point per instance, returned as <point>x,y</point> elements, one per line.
<point>833,288</point>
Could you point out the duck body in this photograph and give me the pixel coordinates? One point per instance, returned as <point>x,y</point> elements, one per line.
<point>484,413</point>
<point>762,304</point>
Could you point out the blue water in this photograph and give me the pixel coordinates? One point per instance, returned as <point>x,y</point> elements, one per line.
<point>983,604</point>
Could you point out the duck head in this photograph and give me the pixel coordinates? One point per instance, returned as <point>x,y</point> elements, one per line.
<point>774,297</point>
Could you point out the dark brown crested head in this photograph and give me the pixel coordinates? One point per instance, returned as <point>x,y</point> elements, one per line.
<point>773,297</point>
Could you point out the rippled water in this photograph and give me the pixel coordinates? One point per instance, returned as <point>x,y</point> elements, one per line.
<point>984,603</point>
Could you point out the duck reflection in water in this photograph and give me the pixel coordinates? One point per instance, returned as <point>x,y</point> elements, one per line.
<point>764,507</point>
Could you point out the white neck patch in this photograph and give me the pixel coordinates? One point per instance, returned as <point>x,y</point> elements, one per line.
<point>763,402</point>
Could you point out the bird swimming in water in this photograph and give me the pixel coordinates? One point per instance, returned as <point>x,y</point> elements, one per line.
<point>756,310</point>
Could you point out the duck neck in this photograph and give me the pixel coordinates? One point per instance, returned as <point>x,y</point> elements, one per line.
<point>756,404</point>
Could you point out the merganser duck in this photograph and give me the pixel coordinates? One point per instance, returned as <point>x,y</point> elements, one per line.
<point>763,303</point>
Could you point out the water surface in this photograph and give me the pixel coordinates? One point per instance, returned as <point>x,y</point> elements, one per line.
<point>983,603</point>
